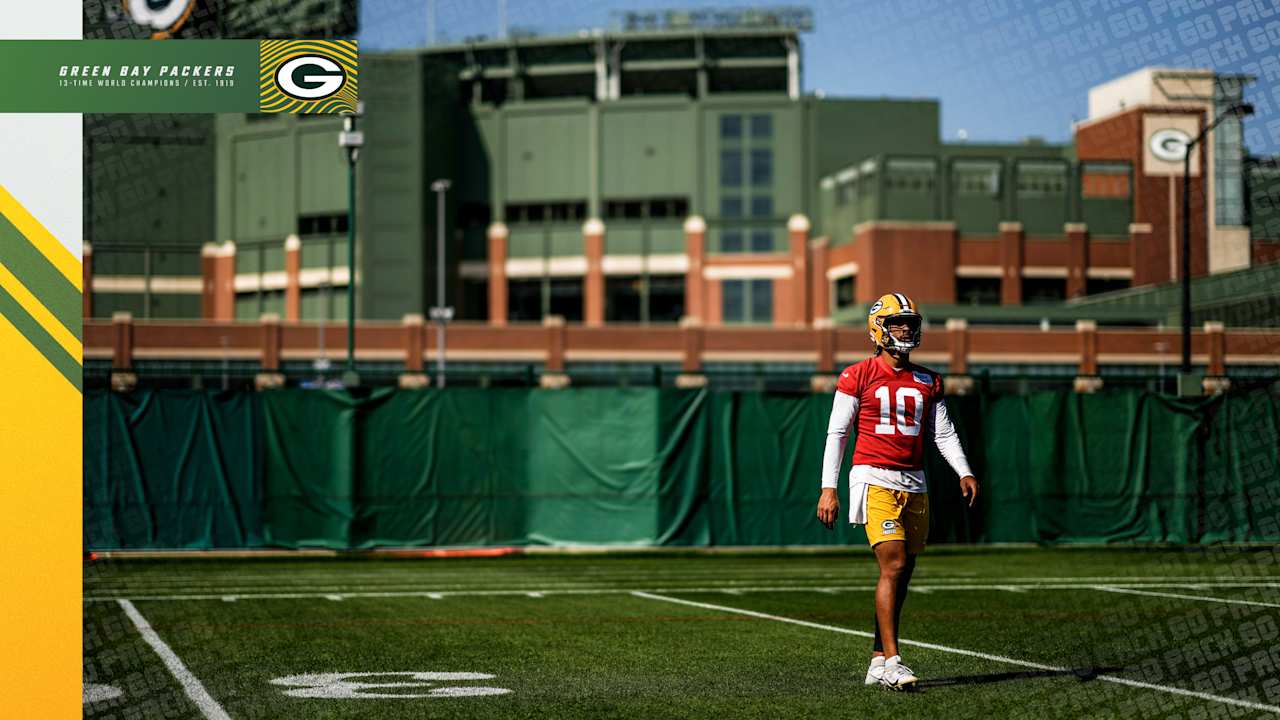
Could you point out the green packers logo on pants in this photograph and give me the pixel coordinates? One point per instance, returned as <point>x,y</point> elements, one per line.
<point>308,76</point>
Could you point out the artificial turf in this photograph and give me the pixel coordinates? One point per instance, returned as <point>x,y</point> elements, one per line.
<point>569,636</point>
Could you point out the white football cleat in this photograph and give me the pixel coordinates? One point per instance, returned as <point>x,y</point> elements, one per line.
<point>897,676</point>
<point>874,671</point>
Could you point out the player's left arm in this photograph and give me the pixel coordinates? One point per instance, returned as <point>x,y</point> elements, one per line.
<point>948,442</point>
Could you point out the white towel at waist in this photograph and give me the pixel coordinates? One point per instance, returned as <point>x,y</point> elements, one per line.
<point>863,475</point>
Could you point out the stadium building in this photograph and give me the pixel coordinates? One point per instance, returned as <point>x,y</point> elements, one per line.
<point>656,175</point>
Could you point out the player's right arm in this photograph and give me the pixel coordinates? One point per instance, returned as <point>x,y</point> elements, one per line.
<point>844,408</point>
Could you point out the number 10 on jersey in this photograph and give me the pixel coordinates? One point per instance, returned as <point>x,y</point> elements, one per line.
<point>885,427</point>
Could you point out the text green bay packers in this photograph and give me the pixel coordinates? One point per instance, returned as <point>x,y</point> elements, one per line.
<point>143,71</point>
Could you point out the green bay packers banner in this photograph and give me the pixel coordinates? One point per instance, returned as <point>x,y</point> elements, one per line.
<point>469,466</point>
<point>192,76</point>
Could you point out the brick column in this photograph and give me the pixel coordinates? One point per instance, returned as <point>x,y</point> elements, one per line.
<point>798,234</point>
<point>593,283</point>
<point>122,377</point>
<point>292,279</point>
<point>224,289</point>
<point>270,377</point>
<point>1077,258</point>
<point>1087,381</point>
<point>958,380</point>
<point>87,281</point>
<point>1011,261</point>
<point>695,233</point>
<point>209,281</point>
<point>498,234</point>
<point>414,344</point>
<point>553,375</point>
<point>824,381</point>
<point>1145,272</point>
<point>691,361</point>
<point>819,286</point>
<point>1215,381</point>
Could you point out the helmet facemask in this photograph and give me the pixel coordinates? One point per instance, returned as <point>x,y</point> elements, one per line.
<point>911,341</point>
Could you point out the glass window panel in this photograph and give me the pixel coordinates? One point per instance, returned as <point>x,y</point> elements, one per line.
<point>731,206</point>
<point>761,126</point>
<point>730,127</point>
<point>733,301</point>
<point>730,168</point>
<point>761,206</point>
<point>731,241</point>
<point>761,167</point>
<point>762,301</point>
<point>761,241</point>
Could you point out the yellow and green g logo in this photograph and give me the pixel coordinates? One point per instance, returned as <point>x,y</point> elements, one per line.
<point>307,76</point>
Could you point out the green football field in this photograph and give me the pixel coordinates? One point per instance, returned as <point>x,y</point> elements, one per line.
<point>991,632</point>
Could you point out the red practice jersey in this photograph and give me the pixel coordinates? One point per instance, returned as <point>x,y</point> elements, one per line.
<point>895,412</point>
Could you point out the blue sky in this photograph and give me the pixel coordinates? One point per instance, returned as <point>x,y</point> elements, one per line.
<point>1002,69</point>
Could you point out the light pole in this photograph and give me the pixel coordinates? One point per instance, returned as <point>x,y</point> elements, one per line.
<point>1237,110</point>
<point>441,313</point>
<point>351,140</point>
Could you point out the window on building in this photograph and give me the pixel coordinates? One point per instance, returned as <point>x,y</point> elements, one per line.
<point>761,126</point>
<point>475,299</point>
<point>730,127</point>
<point>978,291</point>
<point>524,300</point>
<point>1038,179</point>
<point>666,298</point>
<point>623,295</point>
<point>472,215</point>
<point>566,298</point>
<point>761,240</point>
<point>731,241</point>
<point>761,167</point>
<point>322,224</point>
<point>845,290</point>
<point>761,292</point>
<point>1038,291</point>
<point>563,211</point>
<point>976,177</point>
<point>731,206</point>
<point>658,208</point>
<point>730,168</point>
<point>1093,286</point>
<point>747,301</point>
<point>761,206</point>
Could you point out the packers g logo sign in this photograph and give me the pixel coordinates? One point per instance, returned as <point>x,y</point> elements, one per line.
<point>307,76</point>
<point>162,17</point>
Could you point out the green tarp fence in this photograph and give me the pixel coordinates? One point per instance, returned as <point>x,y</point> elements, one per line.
<point>306,468</point>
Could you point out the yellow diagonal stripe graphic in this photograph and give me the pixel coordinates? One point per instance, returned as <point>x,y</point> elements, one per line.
<point>44,241</point>
<point>37,310</point>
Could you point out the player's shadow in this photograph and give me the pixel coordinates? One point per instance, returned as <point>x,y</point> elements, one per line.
<point>1083,674</point>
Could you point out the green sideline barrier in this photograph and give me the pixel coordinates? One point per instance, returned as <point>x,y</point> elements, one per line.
<point>191,469</point>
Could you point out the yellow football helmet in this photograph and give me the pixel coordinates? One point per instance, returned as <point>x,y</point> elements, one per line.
<point>894,306</point>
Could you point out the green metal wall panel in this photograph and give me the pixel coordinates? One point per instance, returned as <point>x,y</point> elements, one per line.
<point>976,194</point>
<point>526,242</point>
<point>647,150</point>
<point>322,169</point>
<point>546,154</point>
<point>265,176</point>
<point>911,189</point>
<point>564,240</point>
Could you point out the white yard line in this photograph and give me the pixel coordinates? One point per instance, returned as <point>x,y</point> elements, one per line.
<point>1180,596</point>
<point>961,651</point>
<point>190,684</point>
<point>436,593</point>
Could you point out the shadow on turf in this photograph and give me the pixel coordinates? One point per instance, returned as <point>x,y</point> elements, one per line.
<point>1083,674</point>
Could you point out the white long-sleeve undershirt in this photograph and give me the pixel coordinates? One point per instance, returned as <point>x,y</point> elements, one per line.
<point>843,411</point>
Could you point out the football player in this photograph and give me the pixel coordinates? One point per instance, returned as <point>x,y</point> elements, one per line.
<point>896,405</point>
